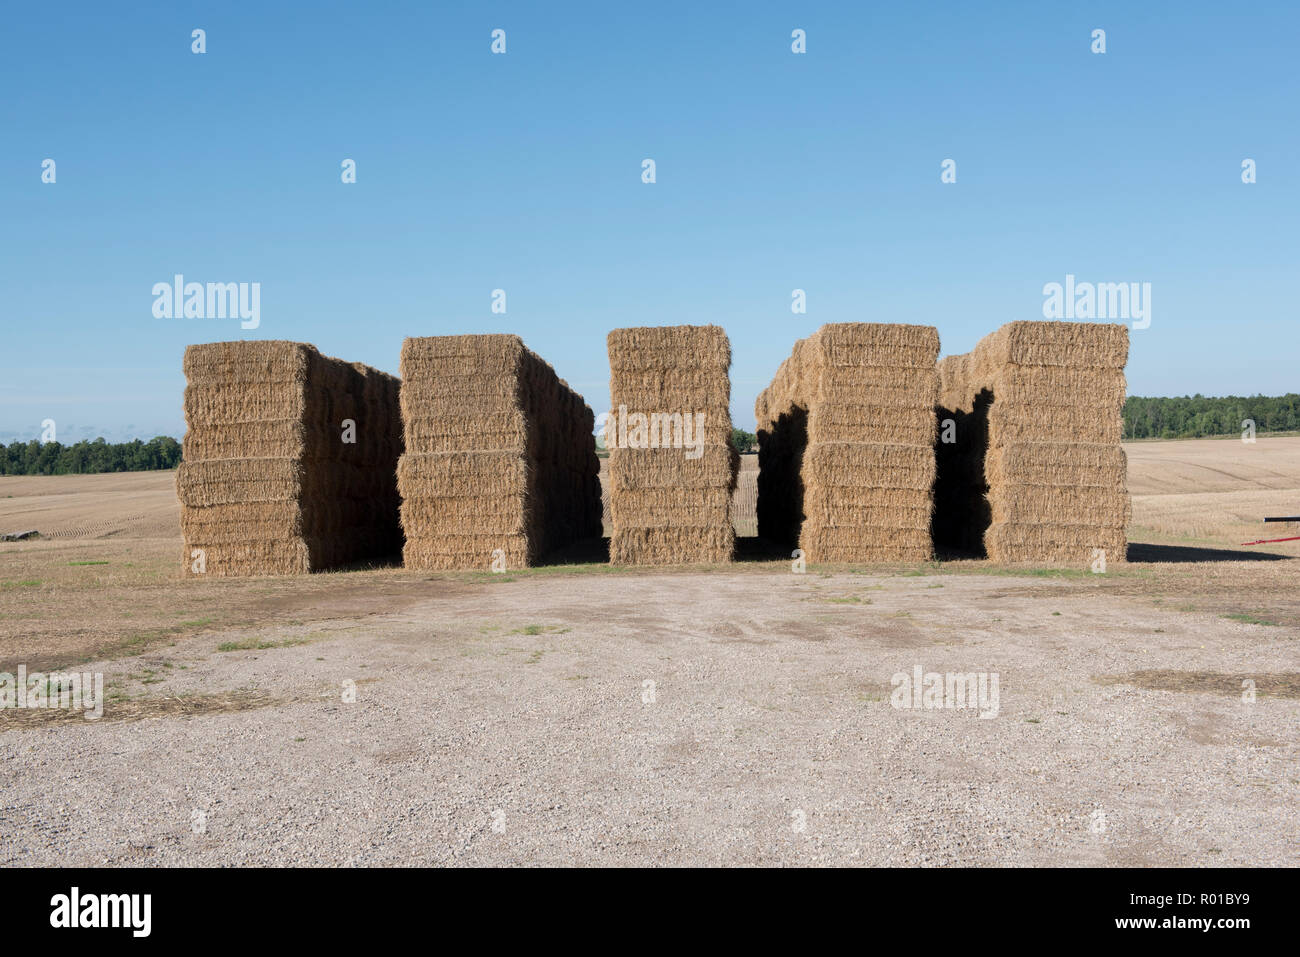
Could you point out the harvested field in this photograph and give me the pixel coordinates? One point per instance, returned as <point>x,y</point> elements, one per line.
<point>1035,471</point>
<point>524,692</point>
<point>500,462</point>
<point>289,460</point>
<point>846,444</point>
<point>672,467</point>
<point>1213,493</point>
<point>123,505</point>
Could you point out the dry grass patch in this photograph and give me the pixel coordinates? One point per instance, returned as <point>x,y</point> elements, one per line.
<point>260,644</point>
<point>143,708</point>
<point>1282,685</point>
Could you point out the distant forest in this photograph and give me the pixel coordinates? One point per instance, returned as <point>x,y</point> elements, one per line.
<point>1182,417</point>
<point>54,458</point>
<point>1189,417</point>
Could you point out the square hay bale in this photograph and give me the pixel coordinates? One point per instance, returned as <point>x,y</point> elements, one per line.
<point>672,466</point>
<point>846,444</point>
<point>500,462</point>
<point>1036,472</point>
<point>289,460</point>
<point>712,545</point>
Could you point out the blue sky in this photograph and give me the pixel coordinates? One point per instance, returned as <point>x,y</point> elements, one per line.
<point>522,172</point>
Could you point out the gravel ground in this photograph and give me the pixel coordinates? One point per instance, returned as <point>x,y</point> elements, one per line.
<point>511,723</point>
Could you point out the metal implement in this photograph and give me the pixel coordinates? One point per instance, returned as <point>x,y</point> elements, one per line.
<point>1270,541</point>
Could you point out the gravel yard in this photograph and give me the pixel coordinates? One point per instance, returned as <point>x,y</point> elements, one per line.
<point>688,717</point>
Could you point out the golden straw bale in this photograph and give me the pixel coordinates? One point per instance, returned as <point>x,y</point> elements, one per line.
<point>223,559</point>
<point>640,427</point>
<point>880,542</point>
<point>257,438</point>
<point>246,362</point>
<point>864,345</point>
<point>1024,422</point>
<point>1083,388</point>
<point>697,387</point>
<point>906,425</point>
<point>1074,545</point>
<point>672,546</point>
<point>671,507</point>
<point>1074,464</point>
<point>867,465</point>
<point>1072,344</point>
<point>1045,504</point>
<point>469,551</point>
<point>832,498</point>
<point>669,348</point>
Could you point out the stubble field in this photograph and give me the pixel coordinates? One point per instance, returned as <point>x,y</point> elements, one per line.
<point>594,715</point>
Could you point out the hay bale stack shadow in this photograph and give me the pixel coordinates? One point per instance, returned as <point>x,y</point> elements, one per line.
<point>1149,552</point>
<point>846,444</point>
<point>672,465</point>
<point>961,505</point>
<point>289,462</point>
<point>1036,470</point>
<point>500,467</point>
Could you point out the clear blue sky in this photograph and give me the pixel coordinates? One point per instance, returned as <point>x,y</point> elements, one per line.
<point>775,171</point>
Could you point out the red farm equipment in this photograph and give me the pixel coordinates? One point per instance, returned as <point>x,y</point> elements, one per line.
<point>1269,541</point>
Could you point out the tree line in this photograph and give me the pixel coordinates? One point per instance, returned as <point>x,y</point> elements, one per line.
<point>1194,416</point>
<point>54,458</point>
<point>1178,417</point>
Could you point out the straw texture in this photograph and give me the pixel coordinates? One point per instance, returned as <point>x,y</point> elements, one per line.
<point>500,455</point>
<point>667,508</point>
<point>846,444</point>
<point>268,485</point>
<point>1037,468</point>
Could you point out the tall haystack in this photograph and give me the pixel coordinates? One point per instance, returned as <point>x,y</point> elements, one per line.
<point>846,444</point>
<point>1039,418</point>
<point>672,466</point>
<point>500,455</point>
<point>289,460</point>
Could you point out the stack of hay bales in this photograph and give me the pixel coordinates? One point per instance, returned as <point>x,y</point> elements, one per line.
<point>846,444</point>
<point>1055,471</point>
<point>500,455</point>
<point>273,480</point>
<point>670,504</point>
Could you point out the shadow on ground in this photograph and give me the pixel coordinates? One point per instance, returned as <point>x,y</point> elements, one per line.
<point>591,551</point>
<point>754,549</point>
<point>1188,553</point>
